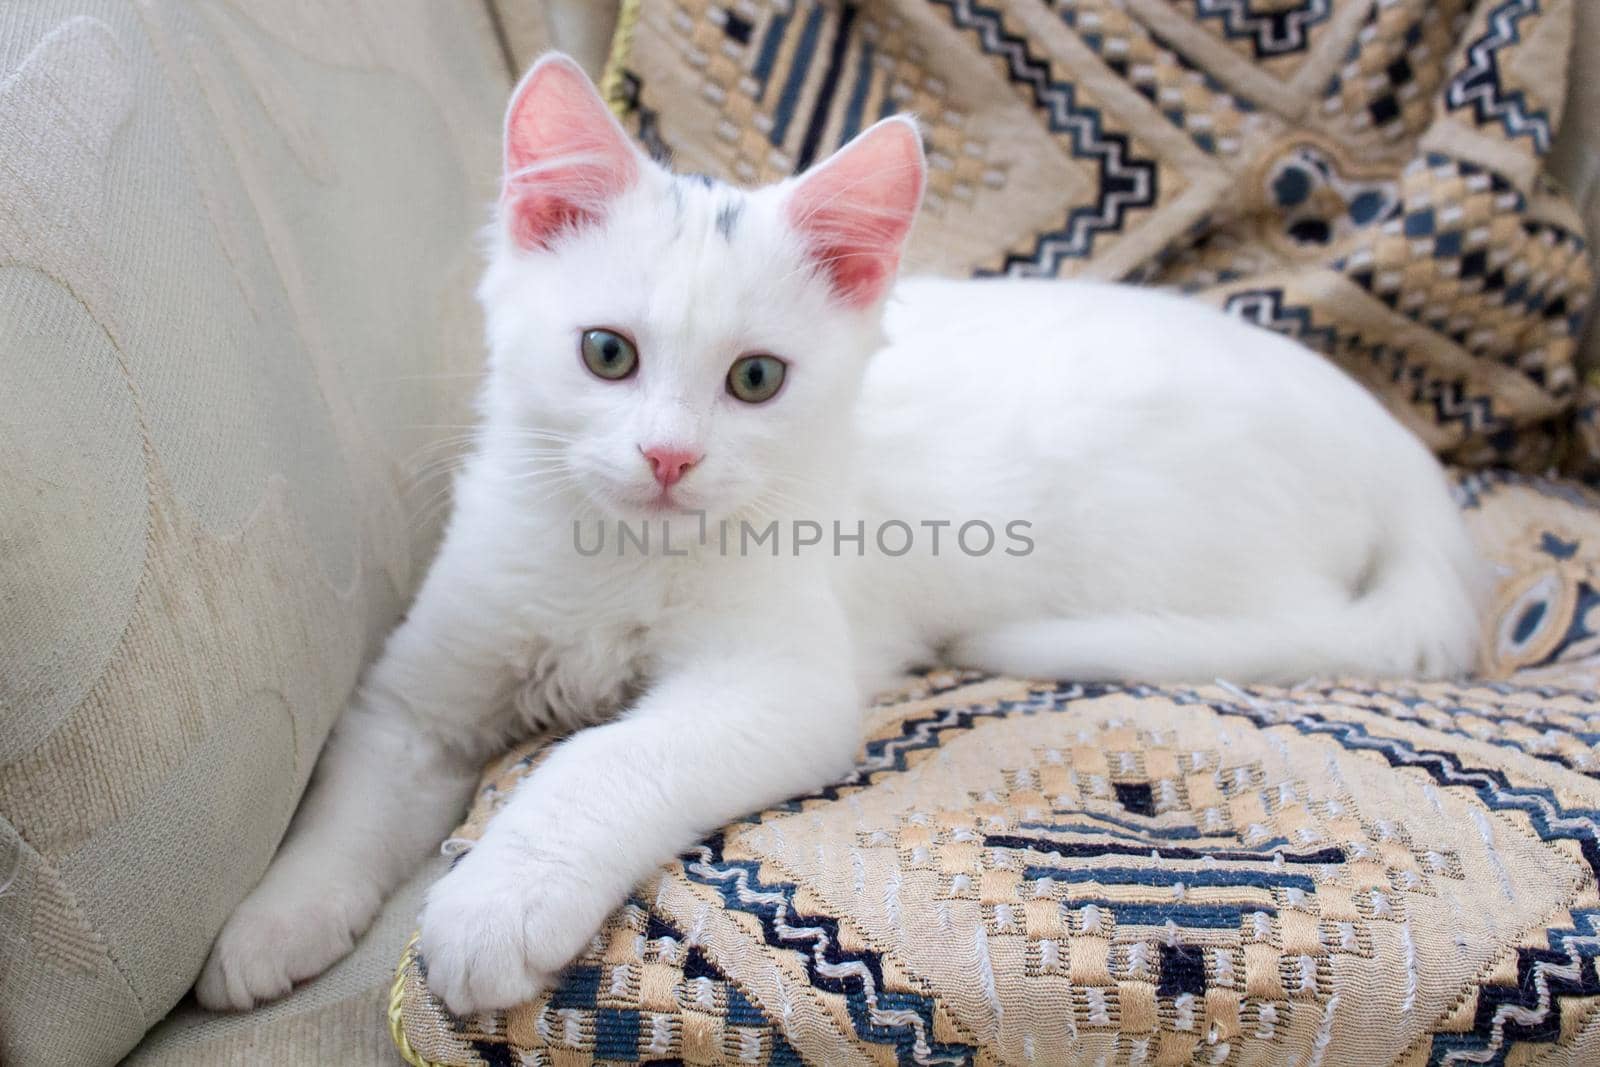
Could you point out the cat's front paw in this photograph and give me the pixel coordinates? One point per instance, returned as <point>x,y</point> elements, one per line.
<point>288,930</point>
<point>498,928</point>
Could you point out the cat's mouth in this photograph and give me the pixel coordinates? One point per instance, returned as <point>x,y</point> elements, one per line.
<point>664,502</point>
<point>657,503</point>
<point>701,495</point>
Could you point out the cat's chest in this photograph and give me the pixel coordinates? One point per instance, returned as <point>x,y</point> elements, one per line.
<point>565,681</point>
<point>587,649</point>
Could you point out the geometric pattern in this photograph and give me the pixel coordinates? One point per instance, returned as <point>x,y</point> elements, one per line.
<point>1480,86</point>
<point>1268,29</point>
<point>1377,161</point>
<point>1527,1011</point>
<point>1050,872</point>
<point>752,60</point>
<point>1446,405</point>
<point>1387,83</point>
<point>1126,179</point>
<point>1457,255</point>
<point>1188,97</point>
<point>899,1019</point>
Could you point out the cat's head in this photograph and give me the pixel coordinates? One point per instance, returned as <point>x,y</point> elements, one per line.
<point>663,342</point>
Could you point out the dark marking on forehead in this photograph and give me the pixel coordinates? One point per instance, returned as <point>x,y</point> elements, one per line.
<point>677,209</point>
<point>728,216</point>
<point>729,201</point>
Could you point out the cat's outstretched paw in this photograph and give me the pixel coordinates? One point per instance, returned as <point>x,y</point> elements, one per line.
<point>280,935</point>
<point>496,932</point>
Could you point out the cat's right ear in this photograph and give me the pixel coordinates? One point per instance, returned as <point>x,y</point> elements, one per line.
<point>855,210</point>
<point>566,157</point>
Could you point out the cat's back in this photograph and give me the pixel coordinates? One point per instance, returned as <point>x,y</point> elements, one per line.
<point>1026,391</point>
<point>1110,356</point>
<point>1109,337</point>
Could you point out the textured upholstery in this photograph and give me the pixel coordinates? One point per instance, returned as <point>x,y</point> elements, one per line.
<point>235,270</point>
<point>335,1019</point>
<point>1342,874</point>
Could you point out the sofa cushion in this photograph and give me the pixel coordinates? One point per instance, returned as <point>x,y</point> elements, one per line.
<point>336,1018</point>
<point>1346,872</point>
<point>235,271</point>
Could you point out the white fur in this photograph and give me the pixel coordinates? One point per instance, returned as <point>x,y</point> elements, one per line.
<point>1204,497</point>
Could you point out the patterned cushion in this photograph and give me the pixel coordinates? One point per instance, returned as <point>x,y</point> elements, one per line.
<point>225,328</point>
<point>1366,177</point>
<point>1343,872</point>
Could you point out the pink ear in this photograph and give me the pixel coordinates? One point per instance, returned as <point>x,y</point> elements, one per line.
<point>566,157</point>
<point>855,210</point>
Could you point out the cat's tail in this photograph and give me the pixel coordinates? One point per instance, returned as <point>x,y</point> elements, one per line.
<point>1417,616</point>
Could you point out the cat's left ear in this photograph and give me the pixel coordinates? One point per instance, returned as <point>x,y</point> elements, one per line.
<point>855,210</point>
<point>566,157</point>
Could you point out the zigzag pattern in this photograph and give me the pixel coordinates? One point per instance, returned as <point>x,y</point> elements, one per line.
<point>1475,485</point>
<point>1549,819</point>
<point>903,1020</point>
<point>649,132</point>
<point>1407,713</point>
<point>890,754</point>
<point>1272,32</point>
<point>616,1032</point>
<point>1266,307</point>
<point>1477,85</point>
<point>1529,1010</point>
<point>1449,400</point>
<point>1126,183</point>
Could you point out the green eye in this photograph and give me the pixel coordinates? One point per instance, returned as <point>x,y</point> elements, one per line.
<point>608,354</point>
<point>754,379</point>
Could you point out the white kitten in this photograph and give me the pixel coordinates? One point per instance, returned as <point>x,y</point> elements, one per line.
<point>1167,494</point>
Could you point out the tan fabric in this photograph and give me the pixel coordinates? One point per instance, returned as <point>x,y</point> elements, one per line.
<point>580,28</point>
<point>336,1018</point>
<point>235,268</point>
<point>1342,874</point>
<point>523,29</point>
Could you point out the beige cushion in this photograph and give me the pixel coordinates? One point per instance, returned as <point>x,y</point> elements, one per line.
<point>580,28</point>
<point>235,265</point>
<point>337,1018</point>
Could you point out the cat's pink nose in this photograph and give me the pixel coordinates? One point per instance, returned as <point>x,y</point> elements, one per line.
<point>670,464</point>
